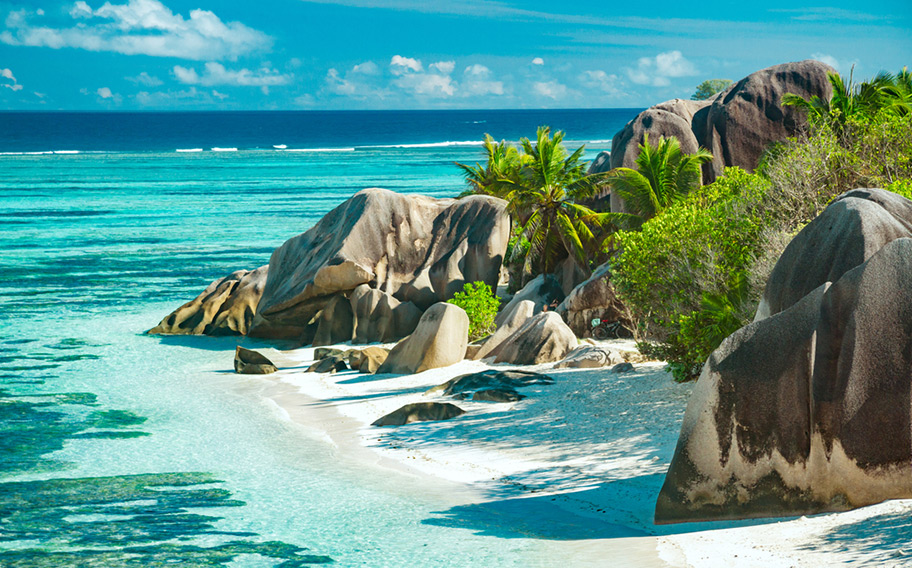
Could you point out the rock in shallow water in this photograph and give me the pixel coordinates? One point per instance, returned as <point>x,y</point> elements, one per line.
<point>420,412</point>
<point>807,410</point>
<point>248,362</point>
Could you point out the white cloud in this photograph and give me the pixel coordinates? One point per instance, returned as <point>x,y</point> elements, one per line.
<point>366,68</point>
<point>105,93</point>
<point>601,81</point>
<point>842,66</point>
<point>146,80</point>
<point>443,67</point>
<point>218,95</point>
<point>538,61</point>
<point>401,65</point>
<point>659,70</point>
<point>140,27</point>
<point>477,82</point>
<point>215,74</point>
<point>8,75</point>
<point>427,85</point>
<point>550,89</point>
<point>338,85</point>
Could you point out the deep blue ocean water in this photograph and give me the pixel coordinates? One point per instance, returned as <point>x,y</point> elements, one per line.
<point>119,449</point>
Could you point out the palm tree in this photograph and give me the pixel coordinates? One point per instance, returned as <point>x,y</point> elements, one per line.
<point>503,162</point>
<point>546,201</point>
<point>885,92</point>
<point>663,174</point>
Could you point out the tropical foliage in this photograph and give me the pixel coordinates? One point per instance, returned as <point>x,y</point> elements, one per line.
<point>480,304</point>
<point>663,175</point>
<point>503,162</point>
<point>710,87</point>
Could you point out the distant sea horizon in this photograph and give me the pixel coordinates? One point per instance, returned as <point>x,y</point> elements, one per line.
<point>55,131</point>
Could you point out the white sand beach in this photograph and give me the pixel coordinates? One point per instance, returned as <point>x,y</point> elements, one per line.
<point>576,464</point>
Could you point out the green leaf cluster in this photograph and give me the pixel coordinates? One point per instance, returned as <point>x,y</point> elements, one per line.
<point>710,87</point>
<point>481,304</point>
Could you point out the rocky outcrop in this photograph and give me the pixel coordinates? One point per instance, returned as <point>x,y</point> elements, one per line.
<point>806,410</point>
<point>848,232</point>
<point>601,163</point>
<point>370,359</point>
<point>497,395</point>
<point>517,315</point>
<point>226,307</point>
<point>543,290</point>
<point>748,116</point>
<point>379,316</point>
<point>414,248</point>
<point>335,323</point>
<point>737,125</point>
<point>420,412</point>
<point>544,338</point>
<point>439,340</point>
<point>594,298</point>
<point>248,362</point>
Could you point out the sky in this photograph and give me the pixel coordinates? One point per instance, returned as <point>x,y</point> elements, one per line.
<point>418,54</point>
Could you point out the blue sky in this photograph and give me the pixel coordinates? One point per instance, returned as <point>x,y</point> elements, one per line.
<point>407,54</point>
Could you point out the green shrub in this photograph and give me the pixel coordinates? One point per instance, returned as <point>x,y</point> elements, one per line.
<point>480,303</point>
<point>686,273</point>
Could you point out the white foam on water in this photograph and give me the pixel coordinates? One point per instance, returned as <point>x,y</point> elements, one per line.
<point>188,150</point>
<point>304,150</point>
<point>216,149</point>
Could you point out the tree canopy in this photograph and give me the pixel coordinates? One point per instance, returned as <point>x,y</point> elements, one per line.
<point>710,87</point>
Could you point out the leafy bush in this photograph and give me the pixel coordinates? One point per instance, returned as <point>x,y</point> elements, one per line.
<point>480,303</point>
<point>687,273</point>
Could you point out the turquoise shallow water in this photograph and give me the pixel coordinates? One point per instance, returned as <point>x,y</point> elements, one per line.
<point>119,449</point>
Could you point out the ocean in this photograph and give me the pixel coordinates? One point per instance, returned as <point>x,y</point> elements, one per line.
<point>121,449</point>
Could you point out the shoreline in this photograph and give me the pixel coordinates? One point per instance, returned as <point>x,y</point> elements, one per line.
<point>575,467</point>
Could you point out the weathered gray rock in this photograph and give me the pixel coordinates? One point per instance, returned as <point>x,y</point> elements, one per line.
<point>594,298</point>
<point>335,324</point>
<point>748,116</point>
<point>543,290</point>
<point>415,248</point>
<point>588,357</point>
<point>379,317</point>
<point>569,275</point>
<point>439,340</point>
<point>420,412</point>
<point>226,307</point>
<point>622,368</point>
<point>490,379</point>
<point>249,362</point>
<point>323,352</point>
<point>848,232</point>
<point>497,395</point>
<point>544,338</point>
<point>601,163</point>
<point>516,315</point>
<point>807,410</point>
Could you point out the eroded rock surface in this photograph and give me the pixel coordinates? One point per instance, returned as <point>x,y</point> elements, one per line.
<point>594,298</point>
<point>226,307</point>
<point>414,248</point>
<point>806,410</point>
<point>249,362</point>
<point>544,338</point>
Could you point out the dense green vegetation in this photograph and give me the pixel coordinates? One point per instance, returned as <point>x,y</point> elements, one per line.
<point>710,87</point>
<point>691,262</point>
<point>480,303</point>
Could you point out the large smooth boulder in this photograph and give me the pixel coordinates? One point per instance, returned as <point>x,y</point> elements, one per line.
<point>544,338</point>
<point>594,298</point>
<point>440,340</point>
<point>515,318</point>
<point>848,232</point>
<point>748,117</point>
<point>420,412</point>
<point>226,307</point>
<point>543,291</point>
<point>379,316</point>
<point>415,248</point>
<point>807,410</point>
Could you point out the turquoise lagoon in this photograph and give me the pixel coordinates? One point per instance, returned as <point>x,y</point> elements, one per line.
<point>120,449</point>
